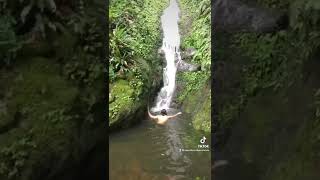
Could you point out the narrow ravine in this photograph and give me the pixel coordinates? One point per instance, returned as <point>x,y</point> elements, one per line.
<point>150,151</point>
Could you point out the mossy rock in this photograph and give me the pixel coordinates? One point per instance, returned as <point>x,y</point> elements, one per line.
<point>202,119</point>
<point>40,81</point>
<point>128,105</point>
<point>190,102</point>
<point>38,90</point>
<point>123,102</point>
<point>198,105</point>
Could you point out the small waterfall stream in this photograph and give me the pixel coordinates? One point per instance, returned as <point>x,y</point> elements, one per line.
<point>149,151</point>
<point>170,46</point>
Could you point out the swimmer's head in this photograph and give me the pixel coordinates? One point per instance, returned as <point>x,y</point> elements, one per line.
<point>163,112</point>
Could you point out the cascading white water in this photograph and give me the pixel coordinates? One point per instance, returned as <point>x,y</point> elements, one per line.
<point>170,46</point>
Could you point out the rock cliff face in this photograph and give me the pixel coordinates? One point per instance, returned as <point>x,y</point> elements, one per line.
<point>266,121</point>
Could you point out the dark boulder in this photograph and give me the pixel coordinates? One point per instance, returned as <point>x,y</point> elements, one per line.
<point>188,53</point>
<point>184,66</point>
<point>160,51</point>
<point>234,15</point>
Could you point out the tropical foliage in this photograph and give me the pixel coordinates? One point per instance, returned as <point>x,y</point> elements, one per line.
<point>134,33</point>
<point>28,21</point>
<point>197,36</point>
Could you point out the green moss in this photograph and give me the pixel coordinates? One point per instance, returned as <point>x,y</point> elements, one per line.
<point>122,93</point>
<point>278,133</point>
<point>38,88</point>
<point>202,120</point>
<point>43,97</point>
<point>198,105</point>
<point>190,103</point>
<point>191,82</point>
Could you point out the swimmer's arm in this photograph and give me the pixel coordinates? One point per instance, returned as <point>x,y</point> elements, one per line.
<point>150,115</point>
<point>175,115</point>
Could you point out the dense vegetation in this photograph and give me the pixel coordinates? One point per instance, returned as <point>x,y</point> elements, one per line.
<point>197,36</point>
<point>51,76</point>
<point>274,61</point>
<point>272,107</point>
<point>134,66</point>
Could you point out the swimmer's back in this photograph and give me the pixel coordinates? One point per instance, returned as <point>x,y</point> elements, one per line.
<point>162,119</point>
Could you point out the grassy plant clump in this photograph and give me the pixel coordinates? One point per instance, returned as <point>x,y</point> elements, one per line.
<point>199,35</point>
<point>134,32</point>
<point>192,81</point>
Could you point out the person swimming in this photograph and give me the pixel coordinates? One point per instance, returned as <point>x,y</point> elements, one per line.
<point>163,118</point>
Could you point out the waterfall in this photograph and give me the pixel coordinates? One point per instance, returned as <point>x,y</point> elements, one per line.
<point>170,46</point>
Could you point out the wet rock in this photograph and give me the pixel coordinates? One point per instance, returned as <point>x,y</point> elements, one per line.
<point>174,105</point>
<point>163,94</point>
<point>161,54</point>
<point>188,53</point>
<point>219,163</point>
<point>160,51</point>
<point>184,66</point>
<point>234,15</point>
